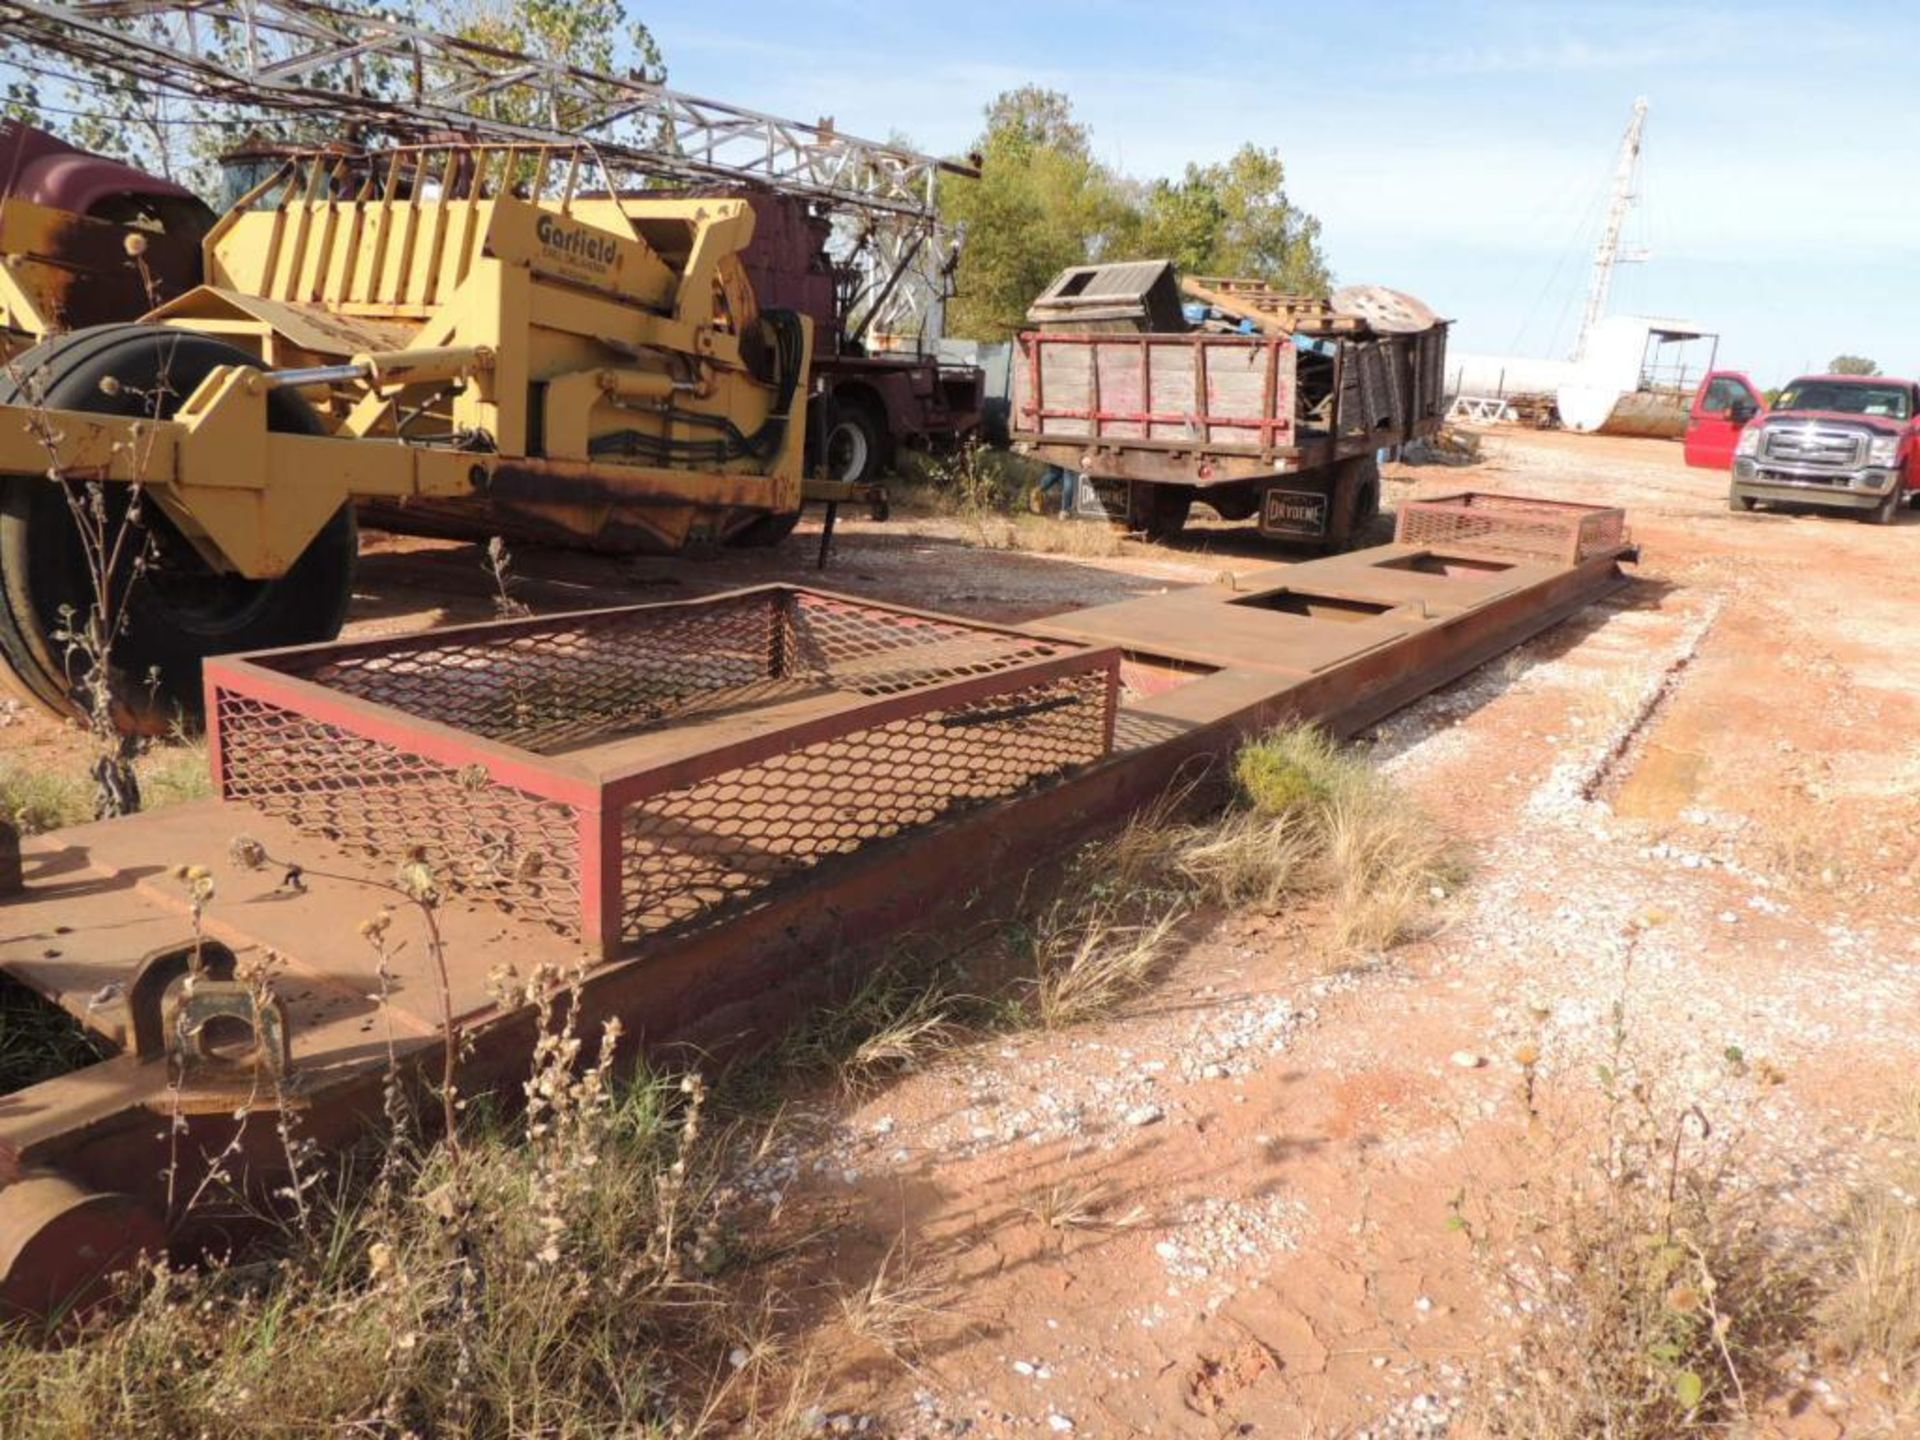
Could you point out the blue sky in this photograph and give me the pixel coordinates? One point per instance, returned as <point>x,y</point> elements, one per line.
<point>1459,151</point>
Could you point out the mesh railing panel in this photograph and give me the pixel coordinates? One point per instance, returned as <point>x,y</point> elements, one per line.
<point>369,797</point>
<point>726,839</point>
<point>577,680</point>
<point>1503,525</point>
<point>555,685</point>
<point>549,689</point>
<point>881,652</point>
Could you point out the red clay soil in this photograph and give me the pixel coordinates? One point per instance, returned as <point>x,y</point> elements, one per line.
<point>1231,1209</point>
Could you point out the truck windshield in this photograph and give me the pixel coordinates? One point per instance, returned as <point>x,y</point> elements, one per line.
<point>1891,401</point>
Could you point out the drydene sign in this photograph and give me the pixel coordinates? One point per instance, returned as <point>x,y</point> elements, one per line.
<point>1294,512</point>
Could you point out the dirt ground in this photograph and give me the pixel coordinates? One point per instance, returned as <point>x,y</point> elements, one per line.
<point>1692,817</point>
<point>1697,802</point>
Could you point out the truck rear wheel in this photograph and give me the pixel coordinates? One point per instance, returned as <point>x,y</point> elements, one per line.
<point>856,441</point>
<point>178,610</point>
<point>1158,511</point>
<point>1356,501</point>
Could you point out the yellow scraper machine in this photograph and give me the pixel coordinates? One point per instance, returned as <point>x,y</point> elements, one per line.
<point>463,340</point>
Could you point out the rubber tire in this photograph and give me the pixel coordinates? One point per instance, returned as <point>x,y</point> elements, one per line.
<point>1887,512</point>
<point>1739,504</point>
<point>763,532</point>
<point>860,416</point>
<point>1158,511</point>
<point>1358,479</point>
<point>307,604</point>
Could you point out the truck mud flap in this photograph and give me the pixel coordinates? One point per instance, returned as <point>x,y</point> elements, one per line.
<point>1295,514</point>
<point>1100,499</point>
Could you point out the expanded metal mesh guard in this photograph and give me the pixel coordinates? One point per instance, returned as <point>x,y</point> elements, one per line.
<point>560,683</point>
<point>1508,525</point>
<point>484,838</point>
<point>619,772</point>
<point>729,837</point>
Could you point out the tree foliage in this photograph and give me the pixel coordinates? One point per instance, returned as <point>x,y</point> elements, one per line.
<point>586,34</point>
<point>1852,365</point>
<point>164,130</point>
<point>1043,203</point>
<point>1234,218</point>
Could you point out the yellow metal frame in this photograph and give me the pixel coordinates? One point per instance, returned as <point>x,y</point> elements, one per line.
<point>468,326</point>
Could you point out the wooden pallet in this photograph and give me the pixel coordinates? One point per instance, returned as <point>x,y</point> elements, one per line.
<point>1273,312</point>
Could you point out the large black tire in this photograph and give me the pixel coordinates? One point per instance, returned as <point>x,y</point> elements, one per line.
<point>858,448</point>
<point>1158,511</point>
<point>1739,504</point>
<point>1356,502</point>
<point>179,610</point>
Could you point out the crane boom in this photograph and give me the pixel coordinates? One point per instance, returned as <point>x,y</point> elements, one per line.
<point>299,57</point>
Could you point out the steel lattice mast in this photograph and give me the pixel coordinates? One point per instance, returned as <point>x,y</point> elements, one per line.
<point>297,58</point>
<point>1608,253</point>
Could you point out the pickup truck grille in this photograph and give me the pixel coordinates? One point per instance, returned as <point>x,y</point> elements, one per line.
<point>1829,447</point>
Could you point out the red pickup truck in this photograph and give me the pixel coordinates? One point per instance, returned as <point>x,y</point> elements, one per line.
<point>1840,442</point>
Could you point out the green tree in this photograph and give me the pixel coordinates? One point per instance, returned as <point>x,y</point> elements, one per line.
<point>1042,203</point>
<point>1234,218</point>
<point>163,129</point>
<point>592,35</point>
<point>19,98</point>
<point>1032,118</point>
<point>1852,365</point>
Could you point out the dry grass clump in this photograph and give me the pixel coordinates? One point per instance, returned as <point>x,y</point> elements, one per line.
<point>35,798</point>
<point>1088,961</point>
<point>1871,1314</point>
<point>1314,818</point>
<point>1083,1207</point>
<point>564,1273</point>
<point>1310,820</point>
<point>971,480</point>
<point>892,1305</point>
<point>1247,858</point>
<point>1053,535</point>
<point>1386,861</point>
<point>997,494</point>
<point>1657,1286</point>
<point>38,798</point>
<point>900,1017</point>
<point>38,1040</point>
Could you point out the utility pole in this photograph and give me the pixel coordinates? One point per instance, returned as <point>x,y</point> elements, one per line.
<point>1608,252</point>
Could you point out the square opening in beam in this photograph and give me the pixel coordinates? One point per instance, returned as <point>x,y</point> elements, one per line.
<point>1456,567</point>
<point>1143,674</point>
<point>1316,607</point>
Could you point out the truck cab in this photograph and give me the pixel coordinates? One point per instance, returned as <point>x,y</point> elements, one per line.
<point>1837,442</point>
<point>1722,407</point>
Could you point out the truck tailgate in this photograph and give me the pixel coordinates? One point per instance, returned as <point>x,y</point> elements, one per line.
<point>1224,394</point>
